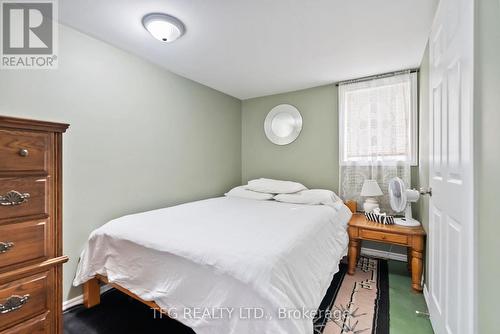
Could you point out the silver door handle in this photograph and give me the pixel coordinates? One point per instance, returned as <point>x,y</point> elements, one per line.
<point>426,191</point>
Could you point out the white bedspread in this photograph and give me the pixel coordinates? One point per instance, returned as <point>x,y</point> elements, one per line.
<point>225,265</point>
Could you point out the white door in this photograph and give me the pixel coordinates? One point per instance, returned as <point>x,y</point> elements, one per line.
<point>450,287</point>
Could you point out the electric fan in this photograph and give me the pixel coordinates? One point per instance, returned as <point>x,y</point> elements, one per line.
<point>401,199</point>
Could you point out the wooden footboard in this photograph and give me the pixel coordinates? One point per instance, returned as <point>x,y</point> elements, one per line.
<point>92,293</point>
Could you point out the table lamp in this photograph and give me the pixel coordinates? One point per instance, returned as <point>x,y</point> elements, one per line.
<point>370,190</point>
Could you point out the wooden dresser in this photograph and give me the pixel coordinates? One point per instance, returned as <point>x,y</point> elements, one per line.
<point>30,226</point>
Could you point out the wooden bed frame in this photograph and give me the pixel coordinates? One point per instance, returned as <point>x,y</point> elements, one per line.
<point>92,291</point>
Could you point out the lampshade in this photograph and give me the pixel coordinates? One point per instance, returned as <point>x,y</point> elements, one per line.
<point>371,188</point>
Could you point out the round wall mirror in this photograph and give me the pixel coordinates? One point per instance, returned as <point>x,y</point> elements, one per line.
<point>283,124</point>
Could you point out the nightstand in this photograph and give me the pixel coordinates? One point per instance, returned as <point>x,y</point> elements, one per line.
<point>411,237</point>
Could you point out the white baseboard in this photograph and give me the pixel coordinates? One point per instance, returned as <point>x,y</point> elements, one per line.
<point>383,254</point>
<point>79,299</point>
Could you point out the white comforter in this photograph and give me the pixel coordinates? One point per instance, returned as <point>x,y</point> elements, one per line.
<point>225,265</point>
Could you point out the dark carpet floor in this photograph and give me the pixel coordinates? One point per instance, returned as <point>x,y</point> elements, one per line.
<point>121,314</point>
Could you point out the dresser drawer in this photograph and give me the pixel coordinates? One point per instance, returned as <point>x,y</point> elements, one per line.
<point>24,151</point>
<point>382,236</point>
<point>23,196</point>
<point>37,325</point>
<point>24,298</point>
<point>23,242</point>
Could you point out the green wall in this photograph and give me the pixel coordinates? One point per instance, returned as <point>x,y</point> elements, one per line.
<point>140,137</point>
<point>313,158</point>
<point>487,153</point>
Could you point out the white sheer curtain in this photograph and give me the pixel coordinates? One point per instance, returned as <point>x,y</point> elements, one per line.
<point>377,133</point>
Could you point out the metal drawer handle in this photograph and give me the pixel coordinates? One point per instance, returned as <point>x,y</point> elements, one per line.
<point>5,246</point>
<point>13,303</point>
<point>23,152</point>
<point>14,198</point>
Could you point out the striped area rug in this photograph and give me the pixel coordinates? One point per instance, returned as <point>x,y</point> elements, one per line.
<point>357,304</point>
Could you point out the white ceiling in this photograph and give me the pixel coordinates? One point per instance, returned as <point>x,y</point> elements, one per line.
<point>261,47</point>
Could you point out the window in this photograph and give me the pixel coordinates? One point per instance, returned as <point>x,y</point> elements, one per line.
<point>378,120</point>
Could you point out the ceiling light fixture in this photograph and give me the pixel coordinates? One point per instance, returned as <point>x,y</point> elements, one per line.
<point>163,27</point>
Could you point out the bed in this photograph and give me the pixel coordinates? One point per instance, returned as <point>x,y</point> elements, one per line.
<point>222,265</point>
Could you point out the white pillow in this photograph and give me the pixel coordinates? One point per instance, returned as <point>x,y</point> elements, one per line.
<point>241,192</point>
<point>274,186</point>
<point>312,197</point>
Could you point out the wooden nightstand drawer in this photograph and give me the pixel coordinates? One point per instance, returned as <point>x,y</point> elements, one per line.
<point>382,236</point>
<point>412,237</point>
